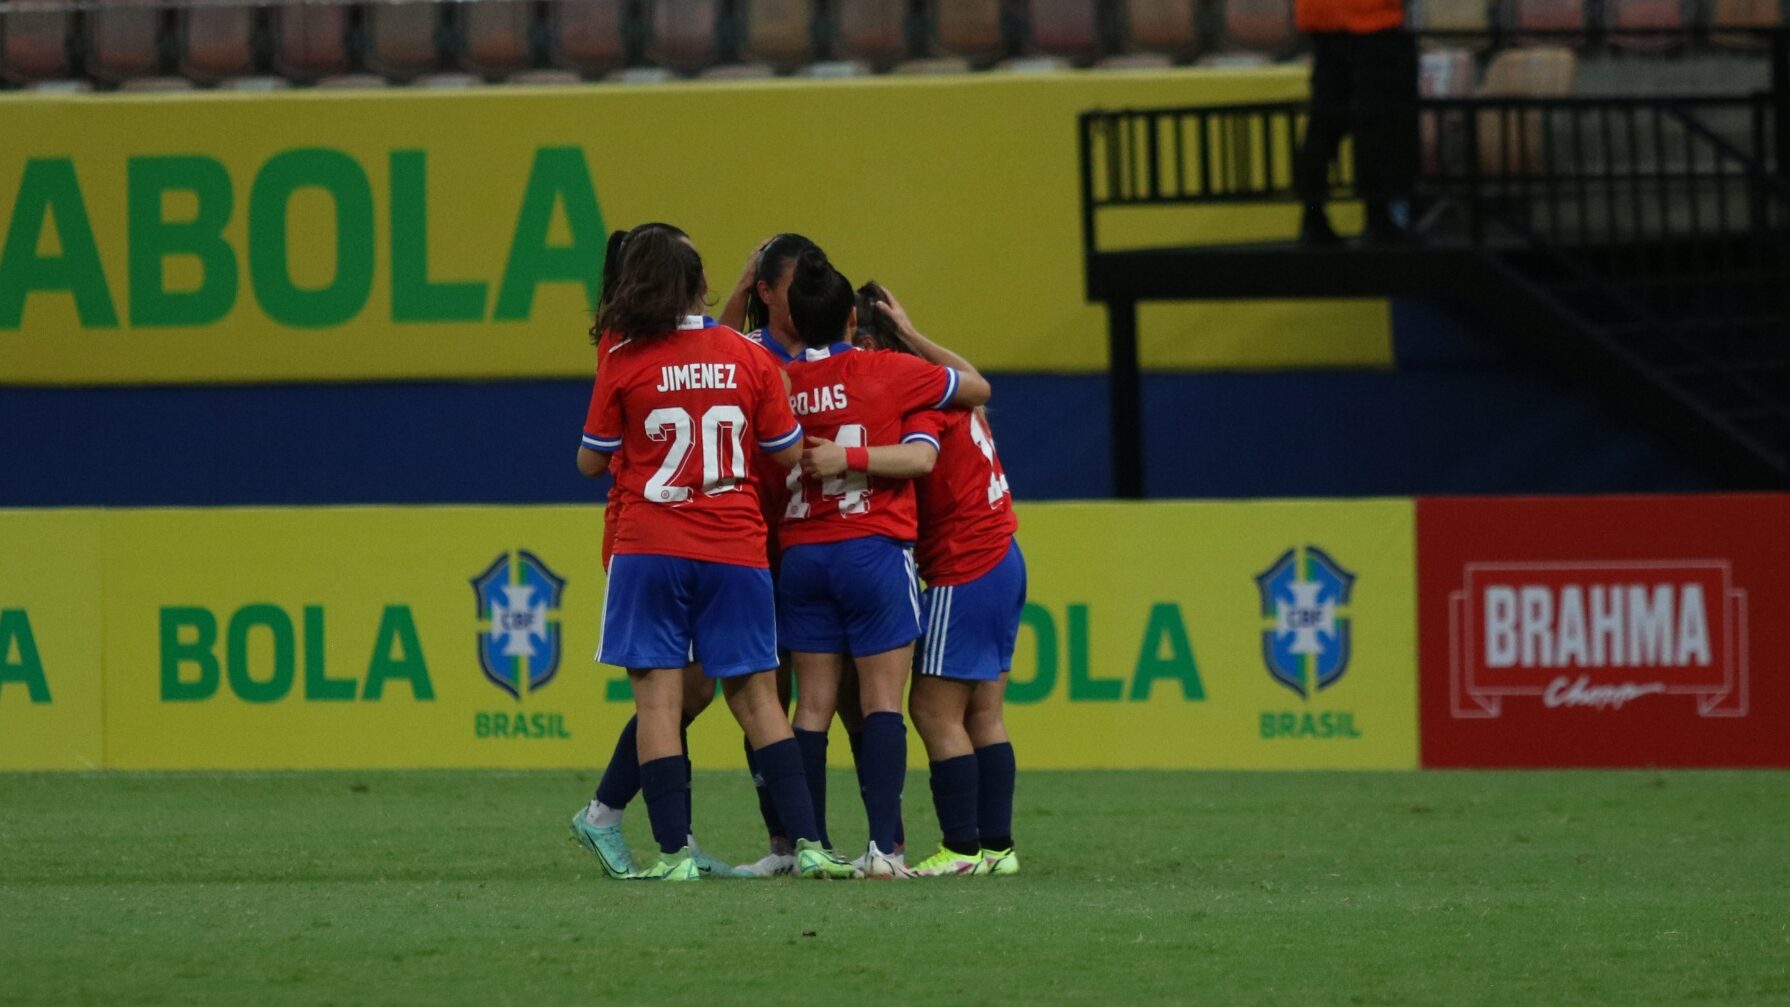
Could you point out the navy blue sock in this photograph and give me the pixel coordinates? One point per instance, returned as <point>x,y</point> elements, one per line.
<point>813,745</point>
<point>994,795</point>
<point>621,778</point>
<point>663,783</point>
<point>689,775</point>
<point>780,765</point>
<point>857,760</point>
<point>954,783</point>
<point>885,770</point>
<point>767,808</point>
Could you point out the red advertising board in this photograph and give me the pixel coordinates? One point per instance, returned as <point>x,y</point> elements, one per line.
<point>1604,631</point>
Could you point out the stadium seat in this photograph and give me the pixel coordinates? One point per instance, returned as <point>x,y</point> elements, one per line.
<point>1166,29</point>
<point>311,40</point>
<point>1067,29</point>
<point>401,38</point>
<point>1653,14</point>
<point>1454,15</point>
<point>588,35</point>
<point>1732,14</point>
<point>124,40</point>
<point>966,29</point>
<point>870,31</point>
<point>682,34</point>
<point>495,36</point>
<point>217,42</point>
<point>1262,26</point>
<point>1441,73</point>
<point>1529,16</point>
<point>1534,72</point>
<point>779,32</point>
<point>34,45</point>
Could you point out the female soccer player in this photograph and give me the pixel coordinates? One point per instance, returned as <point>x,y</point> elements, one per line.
<point>975,590</point>
<point>598,827</point>
<point>683,403</point>
<point>847,584</point>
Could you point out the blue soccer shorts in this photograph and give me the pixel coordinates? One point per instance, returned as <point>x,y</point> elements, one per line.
<point>859,597</point>
<point>664,611</point>
<point>970,629</point>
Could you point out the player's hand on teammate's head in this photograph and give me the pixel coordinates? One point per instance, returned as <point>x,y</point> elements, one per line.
<point>749,275</point>
<point>822,458</point>
<point>892,307</point>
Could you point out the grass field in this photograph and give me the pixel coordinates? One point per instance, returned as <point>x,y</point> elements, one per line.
<point>1446,888</point>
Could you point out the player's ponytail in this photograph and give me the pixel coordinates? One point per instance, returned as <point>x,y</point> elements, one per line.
<point>773,260</point>
<point>820,299</point>
<point>876,330</point>
<point>615,263</point>
<point>660,279</point>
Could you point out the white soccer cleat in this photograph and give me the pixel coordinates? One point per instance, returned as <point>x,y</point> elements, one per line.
<point>771,865</point>
<point>877,864</point>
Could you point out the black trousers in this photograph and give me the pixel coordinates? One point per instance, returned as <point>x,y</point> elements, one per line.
<point>1364,86</point>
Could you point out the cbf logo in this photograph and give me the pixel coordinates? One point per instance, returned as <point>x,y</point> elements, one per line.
<point>518,598</point>
<point>1306,647</point>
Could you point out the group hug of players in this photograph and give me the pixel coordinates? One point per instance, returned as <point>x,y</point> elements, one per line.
<point>786,491</point>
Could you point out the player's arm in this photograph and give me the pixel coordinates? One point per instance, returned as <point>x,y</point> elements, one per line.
<point>773,414</point>
<point>973,389</point>
<point>602,426</point>
<point>733,313</point>
<point>592,463</point>
<point>824,459</point>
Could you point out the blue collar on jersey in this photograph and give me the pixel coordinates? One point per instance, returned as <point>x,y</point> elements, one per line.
<point>823,352</point>
<point>764,338</point>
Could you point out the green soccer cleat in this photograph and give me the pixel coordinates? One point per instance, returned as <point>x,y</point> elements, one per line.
<point>998,863</point>
<point>816,861</point>
<point>948,864</point>
<point>679,866</point>
<point>714,867</point>
<point>607,843</point>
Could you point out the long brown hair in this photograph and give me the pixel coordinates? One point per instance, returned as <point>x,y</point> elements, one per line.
<point>658,278</point>
<point>875,327</point>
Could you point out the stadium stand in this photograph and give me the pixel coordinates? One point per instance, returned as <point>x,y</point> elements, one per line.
<point>779,33</point>
<point>1441,73</point>
<point>1531,72</point>
<point>34,45</point>
<point>310,41</point>
<point>1649,15</point>
<point>870,33</point>
<point>588,36</point>
<point>216,43</point>
<point>682,35</point>
<point>124,41</point>
<point>1727,15</point>
<point>495,34</point>
<point>134,44</point>
<point>401,39</point>
<point>1065,29</point>
<point>1156,33</point>
<point>1263,27</point>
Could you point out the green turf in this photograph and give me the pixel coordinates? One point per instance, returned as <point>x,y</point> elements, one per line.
<point>1446,888</point>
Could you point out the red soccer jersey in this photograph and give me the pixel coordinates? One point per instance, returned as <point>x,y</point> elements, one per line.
<point>684,413</point>
<point>858,398</point>
<point>966,511</point>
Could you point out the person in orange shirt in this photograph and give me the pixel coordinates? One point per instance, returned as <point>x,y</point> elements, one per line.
<point>1364,84</point>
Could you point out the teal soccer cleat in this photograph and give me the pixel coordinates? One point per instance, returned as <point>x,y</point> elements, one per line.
<point>607,843</point>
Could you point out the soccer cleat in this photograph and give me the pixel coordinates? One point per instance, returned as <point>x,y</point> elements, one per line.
<point>607,843</point>
<point>679,866</point>
<point>899,856</point>
<point>999,863</point>
<point>816,861</point>
<point>878,864</point>
<point>771,865</point>
<point>713,867</point>
<point>948,863</point>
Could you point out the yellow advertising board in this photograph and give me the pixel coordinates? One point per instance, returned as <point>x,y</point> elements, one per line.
<point>1173,635</point>
<point>318,235</point>
<point>50,616</point>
